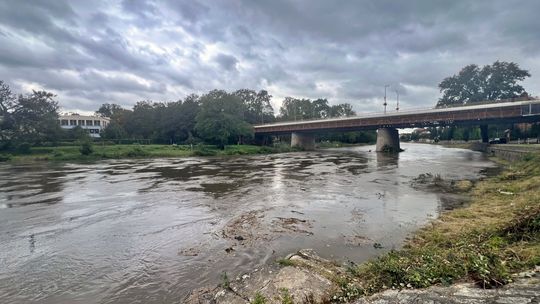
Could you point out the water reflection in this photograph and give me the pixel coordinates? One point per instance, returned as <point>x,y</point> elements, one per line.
<point>125,231</point>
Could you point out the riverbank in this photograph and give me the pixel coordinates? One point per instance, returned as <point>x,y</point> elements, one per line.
<point>497,235</point>
<point>73,153</point>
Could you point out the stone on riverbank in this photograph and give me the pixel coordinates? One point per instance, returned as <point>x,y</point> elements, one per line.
<point>524,289</point>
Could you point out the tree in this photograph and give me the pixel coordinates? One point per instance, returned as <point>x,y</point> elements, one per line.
<point>220,118</point>
<point>342,110</point>
<point>6,119</point>
<point>114,131</point>
<point>143,120</point>
<point>35,118</point>
<point>321,109</point>
<point>491,82</point>
<point>256,104</point>
<point>296,109</point>
<point>109,110</point>
<point>178,120</point>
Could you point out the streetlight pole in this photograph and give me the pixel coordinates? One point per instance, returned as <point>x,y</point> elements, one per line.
<point>397,103</point>
<point>385,103</point>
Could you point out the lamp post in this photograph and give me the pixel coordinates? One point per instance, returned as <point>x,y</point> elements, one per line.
<point>385,103</point>
<point>397,103</point>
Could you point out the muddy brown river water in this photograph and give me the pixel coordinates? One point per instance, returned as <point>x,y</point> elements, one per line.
<point>149,231</point>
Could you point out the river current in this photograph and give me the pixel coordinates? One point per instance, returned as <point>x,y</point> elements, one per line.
<point>151,230</point>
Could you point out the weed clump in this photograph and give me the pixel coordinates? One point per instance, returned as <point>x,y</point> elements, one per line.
<point>258,299</point>
<point>86,148</point>
<point>285,262</point>
<point>286,297</point>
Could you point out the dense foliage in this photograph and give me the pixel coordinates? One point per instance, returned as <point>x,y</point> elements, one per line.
<point>27,120</point>
<point>474,84</point>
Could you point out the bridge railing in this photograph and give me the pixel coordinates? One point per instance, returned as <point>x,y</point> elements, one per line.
<point>423,110</point>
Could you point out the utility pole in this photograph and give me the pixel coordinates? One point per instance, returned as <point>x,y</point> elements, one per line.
<point>385,103</point>
<point>397,103</point>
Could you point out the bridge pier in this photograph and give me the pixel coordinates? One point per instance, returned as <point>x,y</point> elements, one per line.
<point>387,140</point>
<point>484,133</point>
<point>303,140</point>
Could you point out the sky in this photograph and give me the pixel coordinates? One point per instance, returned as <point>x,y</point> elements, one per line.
<point>94,52</point>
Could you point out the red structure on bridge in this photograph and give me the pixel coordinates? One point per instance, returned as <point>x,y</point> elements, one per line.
<point>482,115</point>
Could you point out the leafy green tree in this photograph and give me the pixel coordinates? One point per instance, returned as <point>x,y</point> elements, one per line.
<point>113,131</point>
<point>300,109</point>
<point>296,109</point>
<point>142,121</point>
<point>321,109</point>
<point>491,82</point>
<point>35,118</point>
<point>6,119</point>
<point>342,110</point>
<point>219,120</point>
<point>178,120</point>
<point>119,117</point>
<point>78,133</point>
<point>256,105</point>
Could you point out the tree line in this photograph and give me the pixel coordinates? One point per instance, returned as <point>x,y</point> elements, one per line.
<point>217,117</point>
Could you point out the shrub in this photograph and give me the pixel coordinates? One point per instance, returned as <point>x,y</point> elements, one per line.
<point>24,148</point>
<point>137,152</point>
<point>5,157</point>
<point>86,148</point>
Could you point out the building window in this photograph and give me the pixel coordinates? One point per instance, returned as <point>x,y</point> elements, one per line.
<point>80,122</point>
<point>89,123</point>
<point>64,122</point>
<point>97,123</point>
<point>72,122</point>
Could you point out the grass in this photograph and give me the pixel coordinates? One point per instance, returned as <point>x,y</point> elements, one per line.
<point>259,299</point>
<point>73,153</point>
<point>225,282</point>
<point>286,297</point>
<point>285,262</point>
<point>497,235</point>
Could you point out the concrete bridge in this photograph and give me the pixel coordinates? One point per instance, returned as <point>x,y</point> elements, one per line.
<point>303,132</point>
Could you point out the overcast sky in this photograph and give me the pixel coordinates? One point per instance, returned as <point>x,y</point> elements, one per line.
<point>93,52</point>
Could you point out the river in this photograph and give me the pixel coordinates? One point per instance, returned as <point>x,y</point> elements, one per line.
<point>151,230</point>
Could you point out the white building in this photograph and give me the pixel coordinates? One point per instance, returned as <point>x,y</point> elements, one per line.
<point>94,124</point>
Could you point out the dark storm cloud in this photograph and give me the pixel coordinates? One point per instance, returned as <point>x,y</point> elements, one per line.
<point>90,52</point>
<point>227,62</point>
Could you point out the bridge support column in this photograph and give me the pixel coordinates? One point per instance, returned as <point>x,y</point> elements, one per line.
<point>387,140</point>
<point>484,133</point>
<point>303,140</point>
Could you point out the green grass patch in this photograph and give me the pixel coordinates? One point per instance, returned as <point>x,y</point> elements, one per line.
<point>96,151</point>
<point>285,262</point>
<point>259,299</point>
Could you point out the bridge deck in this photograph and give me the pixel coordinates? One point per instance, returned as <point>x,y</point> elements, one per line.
<point>517,111</point>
